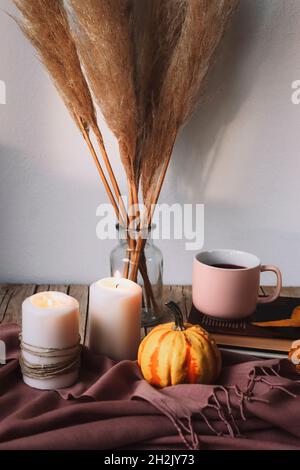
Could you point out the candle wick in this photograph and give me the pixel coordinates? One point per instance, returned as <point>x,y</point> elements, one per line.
<point>117,285</point>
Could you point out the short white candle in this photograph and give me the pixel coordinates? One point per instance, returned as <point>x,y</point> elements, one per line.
<point>114,319</point>
<point>50,320</point>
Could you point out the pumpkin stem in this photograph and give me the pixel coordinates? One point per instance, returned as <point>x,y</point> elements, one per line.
<point>179,322</point>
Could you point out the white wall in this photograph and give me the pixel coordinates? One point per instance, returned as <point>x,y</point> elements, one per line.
<point>239,155</point>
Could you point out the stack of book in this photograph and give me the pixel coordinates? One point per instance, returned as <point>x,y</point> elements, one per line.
<point>247,338</point>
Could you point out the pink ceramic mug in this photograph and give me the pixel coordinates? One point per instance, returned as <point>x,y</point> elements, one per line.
<point>226,283</point>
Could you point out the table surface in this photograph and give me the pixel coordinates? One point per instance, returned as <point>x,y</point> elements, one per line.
<point>12,296</point>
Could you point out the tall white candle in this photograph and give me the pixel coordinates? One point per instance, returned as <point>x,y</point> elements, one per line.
<point>114,320</point>
<point>50,320</point>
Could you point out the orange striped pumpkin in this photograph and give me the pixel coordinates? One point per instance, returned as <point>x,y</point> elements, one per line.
<point>176,353</point>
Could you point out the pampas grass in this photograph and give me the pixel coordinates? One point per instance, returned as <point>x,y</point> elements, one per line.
<point>203,26</point>
<point>145,62</point>
<point>45,24</point>
<point>103,34</point>
<point>157,30</point>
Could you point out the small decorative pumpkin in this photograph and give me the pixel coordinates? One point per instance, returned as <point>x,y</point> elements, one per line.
<point>294,354</point>
<point>176,353</point>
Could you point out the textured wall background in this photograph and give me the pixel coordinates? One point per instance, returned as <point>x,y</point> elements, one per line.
<point>239,155</point>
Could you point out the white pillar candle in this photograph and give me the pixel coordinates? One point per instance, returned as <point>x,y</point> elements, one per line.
<point>50,320</point>
<point>114,320</point>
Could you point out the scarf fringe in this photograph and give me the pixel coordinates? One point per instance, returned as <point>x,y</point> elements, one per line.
<point>225,413</point>
<point>220,402</point>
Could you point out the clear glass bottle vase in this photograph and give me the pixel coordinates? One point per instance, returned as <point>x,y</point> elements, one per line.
<point>150,273</point>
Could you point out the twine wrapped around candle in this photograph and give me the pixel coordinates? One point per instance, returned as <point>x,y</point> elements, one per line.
<point>54,369</point>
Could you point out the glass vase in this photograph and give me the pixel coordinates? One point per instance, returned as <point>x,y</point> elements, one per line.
<point>150,272</point>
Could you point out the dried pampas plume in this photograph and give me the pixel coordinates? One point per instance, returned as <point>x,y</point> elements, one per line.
<point>157,28</point>
<point>46,25</point>
<point>203,26</point>
<point>103,35</point>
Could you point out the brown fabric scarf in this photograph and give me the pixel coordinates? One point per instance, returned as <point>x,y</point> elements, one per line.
<point>254,405</point>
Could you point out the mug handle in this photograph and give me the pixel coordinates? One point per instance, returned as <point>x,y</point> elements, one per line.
<point>276,293</point>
